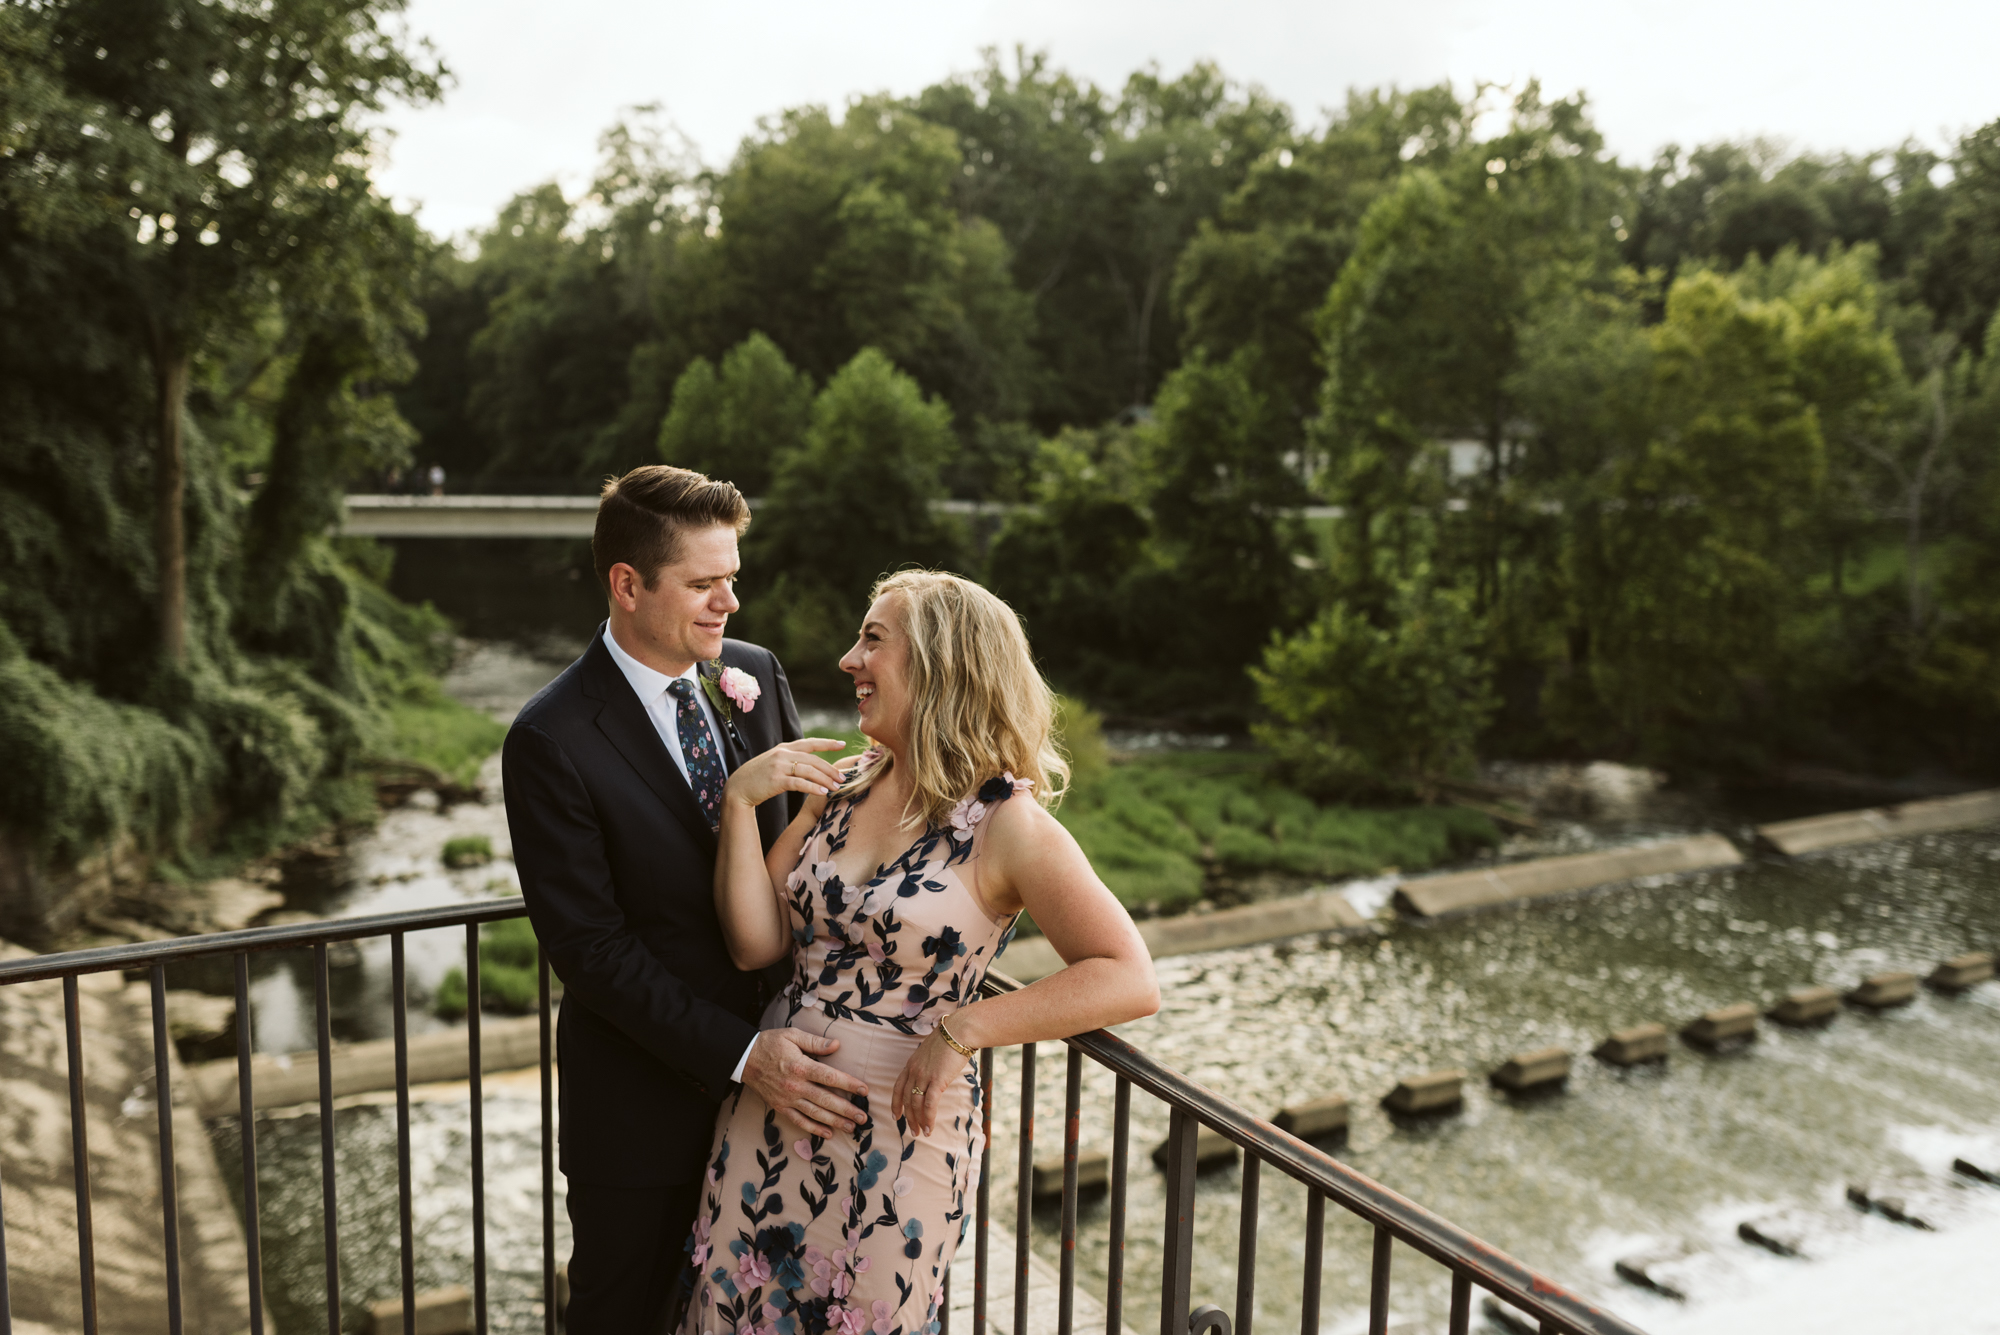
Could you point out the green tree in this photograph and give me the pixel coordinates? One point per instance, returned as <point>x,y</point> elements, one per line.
<point>216,152</point>
<point>733,425</point>
<point>1365,707</point>
<point>849,505</point>
<point>1959,272</point>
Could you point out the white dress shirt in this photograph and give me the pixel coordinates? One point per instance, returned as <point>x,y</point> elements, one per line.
<point>651,688</point>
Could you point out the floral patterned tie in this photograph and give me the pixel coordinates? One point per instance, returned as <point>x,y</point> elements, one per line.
<point>704,763</point>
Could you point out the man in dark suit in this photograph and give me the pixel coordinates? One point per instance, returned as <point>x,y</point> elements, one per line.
<point>613,778</point>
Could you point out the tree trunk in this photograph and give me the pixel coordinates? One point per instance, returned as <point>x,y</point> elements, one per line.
<point>170,374</point>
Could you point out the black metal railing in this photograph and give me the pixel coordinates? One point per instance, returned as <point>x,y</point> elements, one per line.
<point>1530,1300</point>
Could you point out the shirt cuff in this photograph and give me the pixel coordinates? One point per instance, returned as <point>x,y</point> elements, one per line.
<point>743,1061</point>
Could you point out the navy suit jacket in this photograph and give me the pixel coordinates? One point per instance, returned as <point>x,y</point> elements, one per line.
<point>617,865</point>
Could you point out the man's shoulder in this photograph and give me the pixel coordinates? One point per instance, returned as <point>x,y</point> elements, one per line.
<point>563,699</point>
<point>750,657</point>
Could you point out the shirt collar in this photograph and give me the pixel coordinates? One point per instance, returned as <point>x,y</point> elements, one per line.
<point>647,684</point>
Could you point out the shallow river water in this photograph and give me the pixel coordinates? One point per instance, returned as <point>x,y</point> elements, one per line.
<point>1620,1163</point>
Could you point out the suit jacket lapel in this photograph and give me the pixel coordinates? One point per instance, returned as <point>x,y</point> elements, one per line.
<point>624,723</point>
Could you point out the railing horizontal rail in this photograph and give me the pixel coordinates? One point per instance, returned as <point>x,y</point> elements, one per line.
<point>291,936</point>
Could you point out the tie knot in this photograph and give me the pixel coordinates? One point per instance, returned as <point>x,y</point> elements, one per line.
<point>681,688</point>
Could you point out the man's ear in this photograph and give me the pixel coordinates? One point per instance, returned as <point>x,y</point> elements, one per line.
<point>625,585</point>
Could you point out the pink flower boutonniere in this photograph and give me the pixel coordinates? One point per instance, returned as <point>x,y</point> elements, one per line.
<point>729,689</point>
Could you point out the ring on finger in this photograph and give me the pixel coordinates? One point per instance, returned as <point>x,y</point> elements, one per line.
<point>916,1091</point>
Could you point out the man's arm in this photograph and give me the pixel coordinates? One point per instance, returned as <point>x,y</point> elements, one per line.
<point>566,880</point>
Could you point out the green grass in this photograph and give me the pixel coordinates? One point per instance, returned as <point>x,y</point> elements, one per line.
<point>1158,828</point>
<point>432,729</point>
<point>508,981</point>
<point>468,850</point>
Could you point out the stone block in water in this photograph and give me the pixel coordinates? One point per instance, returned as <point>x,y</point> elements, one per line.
<point>1804,1007</point>
<point>1726,1027</point>
<point>1640,1043</point>
<point>1967,1168</point>
<point>1318,1119</point>
<point>1545,1069</point>
<point>445,1311</point>
<point>1212,1149</point>
<point>1093,1173</point>
<point>1885,990</point>
<point>1657,1271</point>
<point>1893,1208</point>
<point>1962,971</point>
<point>1782,1236</point>
<point>1432,1092</point>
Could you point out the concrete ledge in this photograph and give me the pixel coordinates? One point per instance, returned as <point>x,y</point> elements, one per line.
<point>282,1080</point>
<point>1246,925</point>
<point>1838,828</point>
<point>1432,896</point>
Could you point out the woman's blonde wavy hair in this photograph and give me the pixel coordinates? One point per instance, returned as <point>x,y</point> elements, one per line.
<point>978,704</point>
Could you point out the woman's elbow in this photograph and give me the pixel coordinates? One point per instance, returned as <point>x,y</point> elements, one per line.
<point>1145,989</point>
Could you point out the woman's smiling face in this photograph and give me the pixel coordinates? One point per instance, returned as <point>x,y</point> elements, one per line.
<point>879,663</point>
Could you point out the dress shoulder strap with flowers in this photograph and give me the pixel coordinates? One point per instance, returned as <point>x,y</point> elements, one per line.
<point>912,941</point>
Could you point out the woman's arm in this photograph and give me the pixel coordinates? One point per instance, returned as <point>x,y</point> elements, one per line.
<point>748,885</point>
<point>1030,860</point>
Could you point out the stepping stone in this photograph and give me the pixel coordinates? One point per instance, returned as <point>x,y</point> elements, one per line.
<point>1434,1092</point>
<point>1725,1028</point>
<point>1323,1118</point>
<point>1655,1271</point>
<point>1546,1069</point>
<point>1212,1149</point>
<point>1967,1168</point>
<point>1962,971</point>
<point>1892,1208</point>
<point>1508,1319</point>
<point>437,1312</point>
<point>1781,1236</point>
<point>1093,1173</point>
<point>1629,1047</point>
<point>1807,1007</point>
<point>1885,990</point>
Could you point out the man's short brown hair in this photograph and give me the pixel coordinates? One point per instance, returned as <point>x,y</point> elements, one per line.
<point>643,517</point>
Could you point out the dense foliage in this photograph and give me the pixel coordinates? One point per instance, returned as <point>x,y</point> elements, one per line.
<point>199,293</point>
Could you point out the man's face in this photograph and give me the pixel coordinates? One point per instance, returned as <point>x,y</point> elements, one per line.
<point>680,620</point>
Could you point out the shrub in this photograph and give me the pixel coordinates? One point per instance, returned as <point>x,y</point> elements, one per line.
<point>468,850</point>
<point>509,981</point>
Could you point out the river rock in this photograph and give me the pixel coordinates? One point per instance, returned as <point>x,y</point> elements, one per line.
<point>1432,1092</point>
<point>1629,1047</point>
<point>1508,1319</point>
<point>1544,1069</point>
<point>1885,990</point>
<point>1962,971</point>
<point>1323,1118</point>
<point>1893,1208</point>
<point>1724,1028</point>
<point>1807,1007</point>
<point>1967,1168</point>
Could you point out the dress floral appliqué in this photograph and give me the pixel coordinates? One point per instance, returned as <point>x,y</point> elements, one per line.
<point>852,1235</point>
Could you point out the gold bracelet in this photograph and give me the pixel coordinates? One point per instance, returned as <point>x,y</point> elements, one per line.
<point>956,1046</point>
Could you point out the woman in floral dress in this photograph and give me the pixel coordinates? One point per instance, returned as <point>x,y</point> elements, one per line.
<point>892,893</point>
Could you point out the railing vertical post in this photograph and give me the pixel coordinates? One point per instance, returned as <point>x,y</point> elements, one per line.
<point>323,1005</point>
<point>1315,1256</point>
<point>1378,1282</point>
<point>1246,1246</point>
<point>1461,1304</point>
<point>548,1151</point>
<point>1114,1259</point>
<point>984,1209</point>
<point>400,1022</point>
<point>1177,1247</point>
<point>246,1111</point>
<point>6,1298</point>
<point>79,1146</point>
<point>163,1097</point>
<point>474,1062</point>
<point>1024,1200</point>
<point>1072,1128</point>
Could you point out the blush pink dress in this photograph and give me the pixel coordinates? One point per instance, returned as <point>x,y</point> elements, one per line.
<point>852,1235</point>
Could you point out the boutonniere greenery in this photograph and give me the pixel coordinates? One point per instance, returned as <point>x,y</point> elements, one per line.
<point>729,689</point>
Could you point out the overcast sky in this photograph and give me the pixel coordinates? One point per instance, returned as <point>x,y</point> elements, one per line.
<point>537,82</point>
